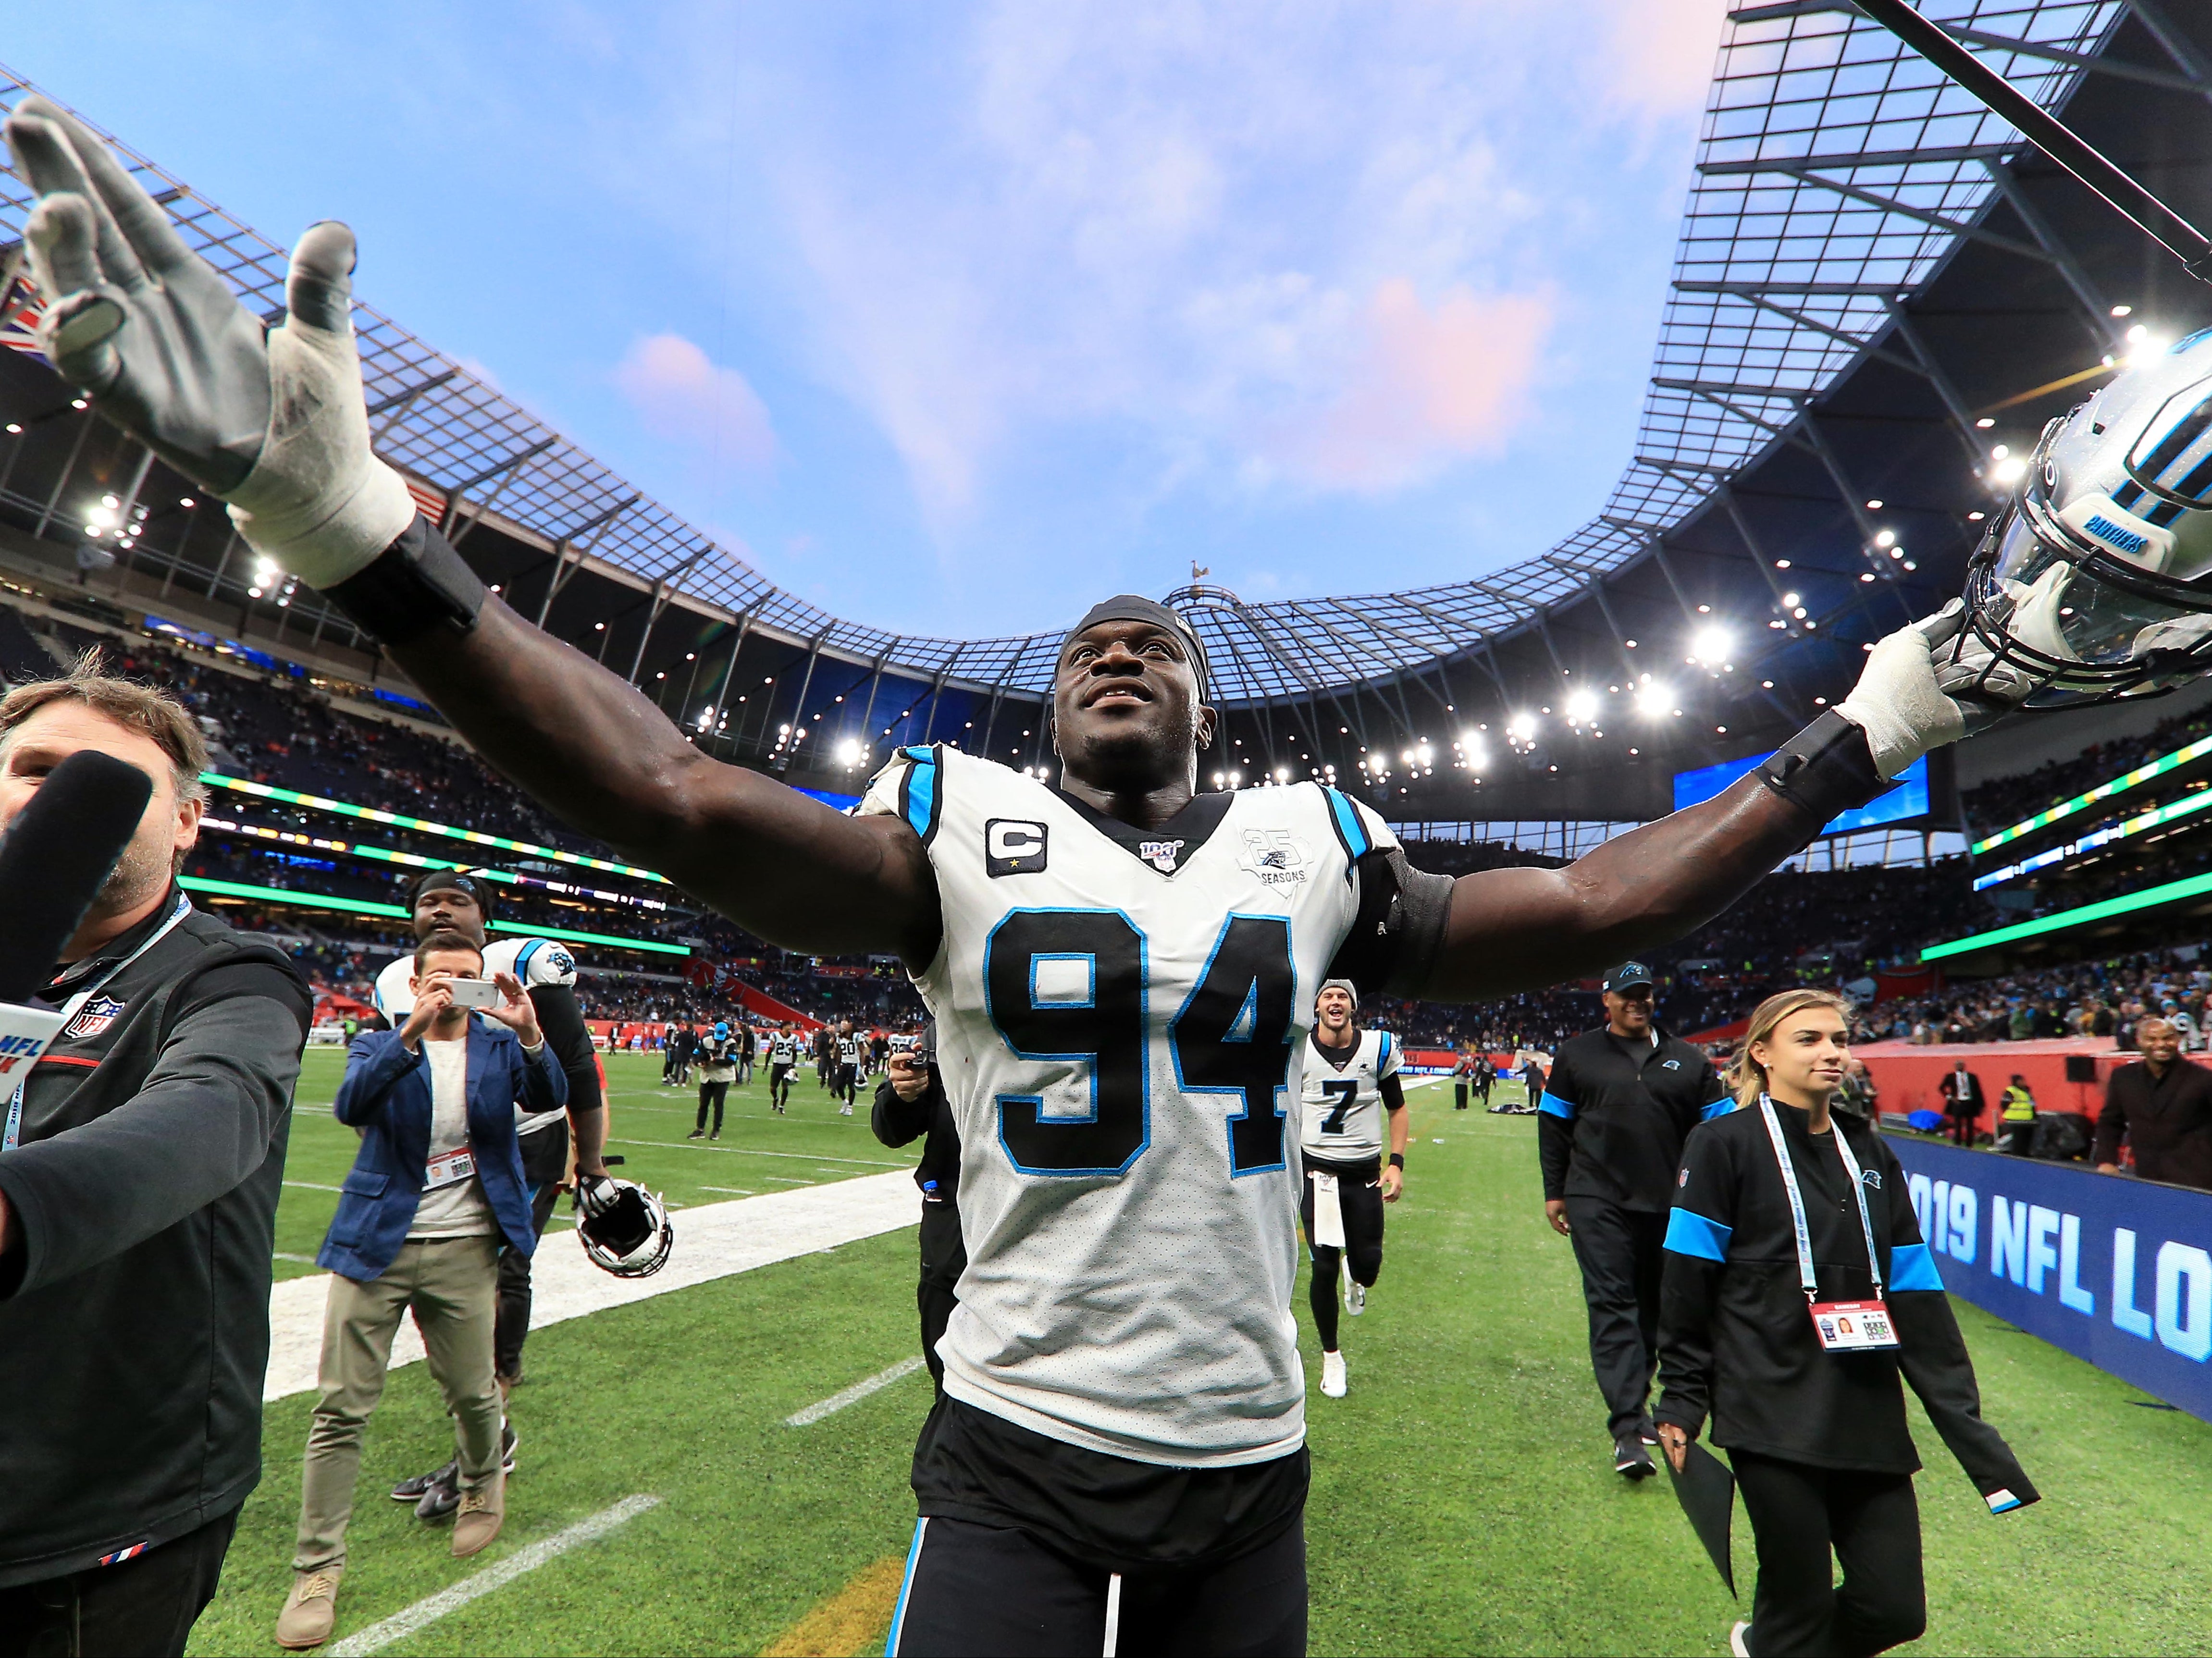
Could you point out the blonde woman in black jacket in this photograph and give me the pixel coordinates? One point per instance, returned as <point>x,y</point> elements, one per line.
<point>1773,1323</point>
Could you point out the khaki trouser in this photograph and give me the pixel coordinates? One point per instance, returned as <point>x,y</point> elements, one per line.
<point>452,1284</point>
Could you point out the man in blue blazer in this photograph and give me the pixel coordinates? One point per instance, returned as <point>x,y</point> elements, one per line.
<point>435,1194</point>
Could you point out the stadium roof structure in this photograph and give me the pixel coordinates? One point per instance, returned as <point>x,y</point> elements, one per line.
<point>1876,282</point>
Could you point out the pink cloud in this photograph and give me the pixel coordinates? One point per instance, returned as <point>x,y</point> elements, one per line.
<point>683,395</point>
<point>1425,386</point>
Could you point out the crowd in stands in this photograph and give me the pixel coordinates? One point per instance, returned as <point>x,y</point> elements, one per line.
<point>2004,801</point>
<point>2104,999</point>
<point>1825,928</point>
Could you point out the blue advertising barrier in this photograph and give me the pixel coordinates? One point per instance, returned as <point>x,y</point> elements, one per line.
<point>2115,1271</point>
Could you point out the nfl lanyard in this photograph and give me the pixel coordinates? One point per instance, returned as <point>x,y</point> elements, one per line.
<point>76,1003</point>
<point>1843,1326</point>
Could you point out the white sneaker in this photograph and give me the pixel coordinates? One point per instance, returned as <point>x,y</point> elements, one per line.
<point>1332,1375</point>
<point>844,1110</point>
<point>1736,1638</point>
<point>1355,1293</point>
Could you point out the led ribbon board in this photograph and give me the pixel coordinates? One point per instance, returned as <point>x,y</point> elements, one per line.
<point>2171,893</point>
<point>2080,803</point>
<point>414,860</point>
<point>393,911</point>
<point>2188,805</point>
<point>474,837</point>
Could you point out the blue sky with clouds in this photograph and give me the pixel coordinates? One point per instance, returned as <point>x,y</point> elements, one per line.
<point>952,317</point>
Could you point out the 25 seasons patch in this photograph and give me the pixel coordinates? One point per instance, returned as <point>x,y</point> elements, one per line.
<point>1276,856</point>
<point>1014,845</point>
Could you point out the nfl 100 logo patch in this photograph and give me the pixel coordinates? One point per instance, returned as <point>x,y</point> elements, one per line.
<point>90,1020</point>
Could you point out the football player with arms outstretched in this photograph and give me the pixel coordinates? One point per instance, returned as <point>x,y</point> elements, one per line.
<point>1122,969</point>
<point>1350,1080</point>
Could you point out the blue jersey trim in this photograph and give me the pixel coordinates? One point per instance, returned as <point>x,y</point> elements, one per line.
<point>1912,1267</point>
<point>1556,1106</point>
<point>921,792</point>
<point>1689,1233</point>
<point>1719,1108</point>
<point>1349,829</point>
<point>906,1588</point>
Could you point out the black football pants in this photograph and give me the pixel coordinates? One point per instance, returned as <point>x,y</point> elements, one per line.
<point>712,1093</point>
<point>142,1608</point>
<point>989,1590</point>
<point>544,1162</point>
<point>1621,1255</point>
<point>1359,1198</point>
<point>1871,1522</point>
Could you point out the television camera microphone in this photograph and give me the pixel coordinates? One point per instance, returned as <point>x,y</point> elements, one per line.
<point>53,860</point>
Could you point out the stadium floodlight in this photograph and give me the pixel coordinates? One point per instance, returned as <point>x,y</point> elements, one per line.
<point>1521,727</point>
<point>1654,699</point>
<point>1581,707</point>
<point>1712,646</point>
<point>850,753</point>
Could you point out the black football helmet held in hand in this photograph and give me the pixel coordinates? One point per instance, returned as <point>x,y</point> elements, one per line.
<point>624,1229</point>
<point>2096,583</point>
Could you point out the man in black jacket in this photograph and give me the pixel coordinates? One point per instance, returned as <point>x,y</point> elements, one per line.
<point>911,1101</point>
<point>1609,1136</point>
<point>137,1205</point>
<point>2163,1104</point>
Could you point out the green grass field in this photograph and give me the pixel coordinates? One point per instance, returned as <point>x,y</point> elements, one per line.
<point>1463,1499</point>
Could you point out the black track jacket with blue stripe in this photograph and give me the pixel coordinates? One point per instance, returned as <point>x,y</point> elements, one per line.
<point>1615,1114</point>
<point>1734,1336</point>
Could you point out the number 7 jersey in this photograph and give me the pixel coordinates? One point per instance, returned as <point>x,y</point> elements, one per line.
<point>1117,1013</point>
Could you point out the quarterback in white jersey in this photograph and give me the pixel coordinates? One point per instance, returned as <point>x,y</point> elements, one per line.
<point>1350,1080</point>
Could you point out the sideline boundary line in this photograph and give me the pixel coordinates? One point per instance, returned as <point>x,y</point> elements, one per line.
<point>853,1395</point>
<point>424,1614</point>
<point>751,1152</point>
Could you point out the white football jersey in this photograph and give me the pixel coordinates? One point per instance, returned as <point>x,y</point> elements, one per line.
<point>1341,1112</point>
<point>783,1050</point>
<point>848,1050</point>
<point>533,960</point>
<point>1118,1012</point>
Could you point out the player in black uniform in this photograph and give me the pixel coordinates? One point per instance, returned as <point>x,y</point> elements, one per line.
<point>1035,1539</point>
<point>910,1103</point>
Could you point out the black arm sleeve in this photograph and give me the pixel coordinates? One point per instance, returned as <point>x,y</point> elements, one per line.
<point>1689,1288</point>
<point>1400,926</point>
<point>1393,1092</point>
<point>899,1122</point>
<point>1933,1356</point>
<point>203,1121</point>
<point>570,1038</point>
<point>1555,1135</point>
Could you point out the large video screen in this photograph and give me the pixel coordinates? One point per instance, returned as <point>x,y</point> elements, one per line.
<point>1908,799</point>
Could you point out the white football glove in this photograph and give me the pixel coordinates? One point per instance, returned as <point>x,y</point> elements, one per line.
<point>273,421</point>
<point>1929,684</point>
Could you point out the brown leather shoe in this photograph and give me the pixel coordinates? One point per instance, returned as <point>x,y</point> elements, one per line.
<point>311,1611</point>
<point>478,1519</point>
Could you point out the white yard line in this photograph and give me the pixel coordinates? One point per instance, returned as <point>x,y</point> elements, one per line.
<point>312,1186</point>
<point>853,1395</point>
<point>729,1191</point>
<point>711,1241</point>
<point>748,1152</point>
<point>424,1614</point>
